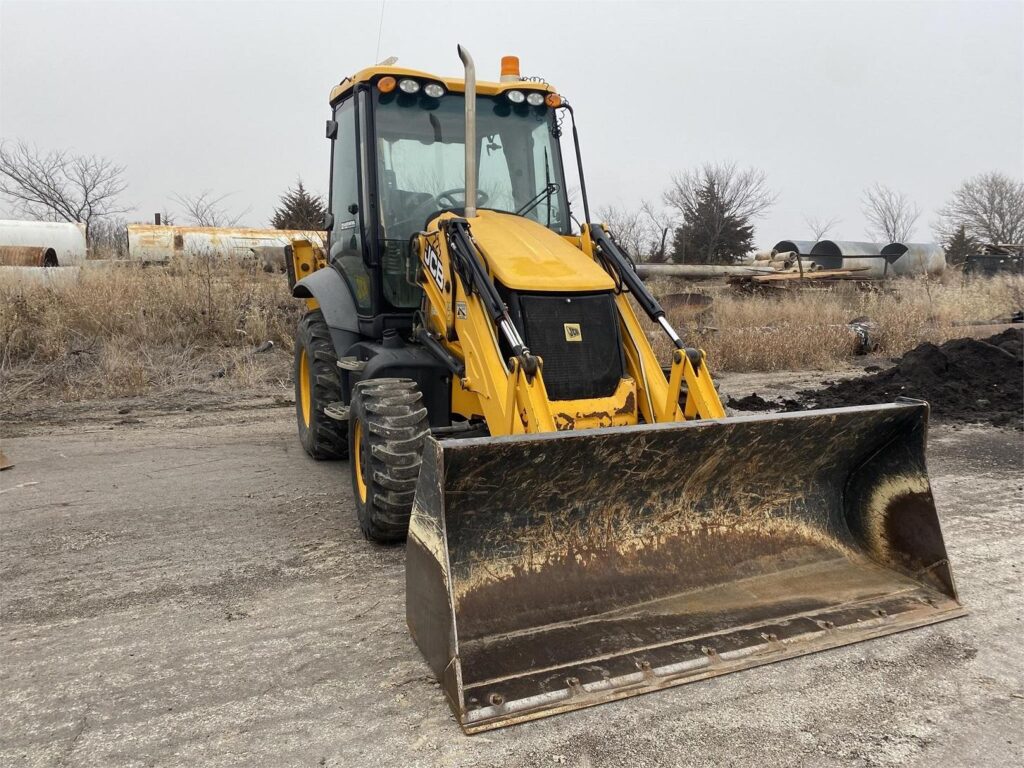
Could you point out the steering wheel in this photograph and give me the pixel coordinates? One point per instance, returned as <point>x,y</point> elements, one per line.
<point>448,196</point>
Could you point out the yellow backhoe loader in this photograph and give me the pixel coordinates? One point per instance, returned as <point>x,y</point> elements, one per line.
<point>582,524</point>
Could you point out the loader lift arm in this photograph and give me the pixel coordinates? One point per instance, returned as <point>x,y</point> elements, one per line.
<point>688,364</point>
<point>615,261</point>
<point>474,277</point>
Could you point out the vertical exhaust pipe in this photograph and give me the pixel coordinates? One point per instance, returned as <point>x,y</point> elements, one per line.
<point>467,62</point>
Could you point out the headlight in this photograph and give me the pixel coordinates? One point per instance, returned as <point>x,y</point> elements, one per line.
<point>535,99</point>
<point>433,90</point>
<point>516,97</point>
<point>408,86</point>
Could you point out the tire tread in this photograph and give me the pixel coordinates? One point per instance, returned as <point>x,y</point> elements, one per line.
<point>395,427</point>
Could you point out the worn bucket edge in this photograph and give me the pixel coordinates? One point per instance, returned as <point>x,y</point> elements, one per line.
<point>590,700</point>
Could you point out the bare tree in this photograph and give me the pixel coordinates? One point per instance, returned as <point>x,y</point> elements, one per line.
<point>206,210</point>
<point>662,223</point>
<point>890,214</point>
<point>990,208</point>
<point>627,227</point>
<point>743,193</point>
<point>820,226</point>
<point>60,185</point>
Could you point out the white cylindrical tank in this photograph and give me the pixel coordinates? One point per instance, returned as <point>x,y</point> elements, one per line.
<point>156,243</point>
<point>59,244</point>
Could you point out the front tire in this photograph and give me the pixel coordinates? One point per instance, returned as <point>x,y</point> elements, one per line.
<point>387,428</point>
<point>316,386</point>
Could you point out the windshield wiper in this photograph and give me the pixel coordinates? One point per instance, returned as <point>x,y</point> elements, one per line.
<point>540,197</point>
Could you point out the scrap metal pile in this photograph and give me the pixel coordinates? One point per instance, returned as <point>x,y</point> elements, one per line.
<point>787,268</point>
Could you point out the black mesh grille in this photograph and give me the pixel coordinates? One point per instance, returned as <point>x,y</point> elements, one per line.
<point>578,337</point>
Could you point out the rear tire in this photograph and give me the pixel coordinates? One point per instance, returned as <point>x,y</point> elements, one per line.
<point>316,386</point>
<point>387,428</point>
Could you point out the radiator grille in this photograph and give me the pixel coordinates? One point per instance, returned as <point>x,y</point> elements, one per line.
<point>578,337</point>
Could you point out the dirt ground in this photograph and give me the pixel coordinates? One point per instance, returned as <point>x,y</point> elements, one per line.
<point>185,587</point>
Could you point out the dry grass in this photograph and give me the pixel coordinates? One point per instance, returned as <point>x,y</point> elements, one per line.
<point>807,330</point>
<point>127,330</point>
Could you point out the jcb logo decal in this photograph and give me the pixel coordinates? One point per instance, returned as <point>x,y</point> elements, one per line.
<point>434,267</point>
<point>573,332</point>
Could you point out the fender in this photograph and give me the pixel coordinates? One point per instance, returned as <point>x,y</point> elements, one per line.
<point>329,290</point>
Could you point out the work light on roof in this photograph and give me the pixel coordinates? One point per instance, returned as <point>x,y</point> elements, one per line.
<point>408,85</point>
<point>535,99</point>
<point>434,90</point>
<point>516,97</point>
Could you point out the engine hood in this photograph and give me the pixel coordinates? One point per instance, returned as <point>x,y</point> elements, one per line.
<point>526,256</point>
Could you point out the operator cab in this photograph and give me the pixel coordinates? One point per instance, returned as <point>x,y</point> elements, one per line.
<point>398,149</point>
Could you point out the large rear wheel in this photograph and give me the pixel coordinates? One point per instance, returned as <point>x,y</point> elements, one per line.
<point>317,386</point>
<point>387,427</point>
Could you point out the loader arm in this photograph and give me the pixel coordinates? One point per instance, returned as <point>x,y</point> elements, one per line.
<point>463,299</point>
<point>468,319</point>
<point>659,399</point>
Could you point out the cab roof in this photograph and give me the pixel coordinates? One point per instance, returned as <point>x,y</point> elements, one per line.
<point>456,85</point>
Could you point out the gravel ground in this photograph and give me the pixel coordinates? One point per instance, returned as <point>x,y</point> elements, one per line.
<point>186,588</point>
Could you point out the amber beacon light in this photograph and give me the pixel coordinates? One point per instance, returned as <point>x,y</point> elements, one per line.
<point>509,68</point>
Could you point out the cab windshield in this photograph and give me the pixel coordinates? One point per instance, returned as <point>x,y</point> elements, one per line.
<point>421,160</point>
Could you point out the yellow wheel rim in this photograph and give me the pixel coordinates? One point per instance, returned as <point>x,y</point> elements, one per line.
<point>305,387</point>
<point>357,460</point>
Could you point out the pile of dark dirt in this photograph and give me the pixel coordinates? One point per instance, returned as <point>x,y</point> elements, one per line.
<point>752,402</point>
<point>968,380</point>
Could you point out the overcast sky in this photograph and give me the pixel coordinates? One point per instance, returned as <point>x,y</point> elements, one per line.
<point>825,97</point>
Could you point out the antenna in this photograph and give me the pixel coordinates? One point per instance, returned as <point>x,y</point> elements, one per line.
<point>380,29</point>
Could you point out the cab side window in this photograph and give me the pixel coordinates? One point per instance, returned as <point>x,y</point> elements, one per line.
<point>346,251</point>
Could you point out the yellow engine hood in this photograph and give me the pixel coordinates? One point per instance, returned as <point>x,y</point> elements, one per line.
<point>526,256</point>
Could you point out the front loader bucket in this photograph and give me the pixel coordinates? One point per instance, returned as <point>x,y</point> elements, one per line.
<point>557,571</point>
